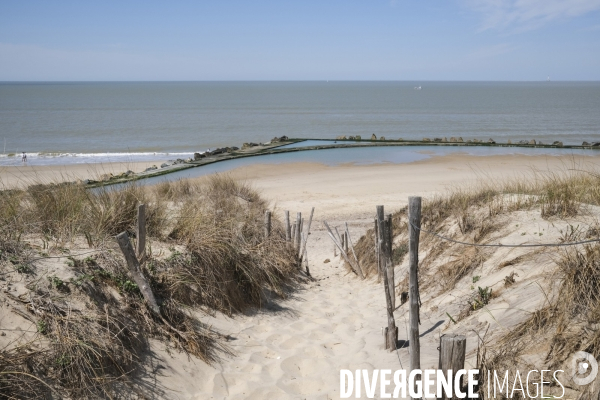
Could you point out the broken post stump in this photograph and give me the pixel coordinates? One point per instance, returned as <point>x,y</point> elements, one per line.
<point>452,355</point>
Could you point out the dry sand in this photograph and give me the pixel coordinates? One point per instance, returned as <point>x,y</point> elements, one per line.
<point>295,348</point>
<point>23,175</point>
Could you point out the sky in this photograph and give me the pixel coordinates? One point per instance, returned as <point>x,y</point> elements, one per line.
<point>127,40</point>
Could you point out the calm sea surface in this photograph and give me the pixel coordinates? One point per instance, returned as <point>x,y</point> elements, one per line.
<point>87,122</point>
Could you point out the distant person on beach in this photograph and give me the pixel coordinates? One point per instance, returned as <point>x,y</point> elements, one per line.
<point>24,158</point>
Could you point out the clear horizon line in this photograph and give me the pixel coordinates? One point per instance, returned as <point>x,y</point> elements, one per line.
<point>288,80</point>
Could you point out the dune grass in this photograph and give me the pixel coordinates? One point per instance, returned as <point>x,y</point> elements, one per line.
<point>93,331</point>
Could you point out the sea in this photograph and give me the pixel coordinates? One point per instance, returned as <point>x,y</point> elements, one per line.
<point>99,122</point>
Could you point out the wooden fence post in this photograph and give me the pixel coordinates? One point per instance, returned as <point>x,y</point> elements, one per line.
<point>267,224</point>
<point>293,235</point>
<point>452,356</point>
<point>141,231</point>
<point>386,260</point>
<point>298,234</point>
<point>136,273</point>
<point>288,231</point>
<point>377,250</point>
<point>414,225</point>
<point>390,271</point>
<point>303,252</point>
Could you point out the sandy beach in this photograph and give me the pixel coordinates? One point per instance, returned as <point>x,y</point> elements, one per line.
<point>295,348</point>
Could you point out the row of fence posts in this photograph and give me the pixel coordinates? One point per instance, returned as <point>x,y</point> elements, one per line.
<point>452,348</point>
<point>295,233</point>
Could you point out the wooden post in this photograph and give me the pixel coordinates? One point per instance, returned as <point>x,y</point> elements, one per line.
<point>353,252</point>
<point>452,355</point>
<point>297,234</point>
<point>377,250</point>
<point>337,243</point>
<point>344,241</point>
<point>134,269</point>
<point>386,260</point>
<point>414,225</point>
<point>141,231</point>
<point>390,271</point>
<point>267,224</point>
<point>334,250</point>
<point>288,231</point>
<point>304,252</point>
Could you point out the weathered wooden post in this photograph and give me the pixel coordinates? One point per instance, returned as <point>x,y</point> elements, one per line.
<point>343,241</point>
<point>141,231</point>
<point>346,242</point>
<point>298,234</point>
<point>293,235</point>
<point>267,224</point>
<point>288,232</point>
<point>390,271</point>
<point>452,356</point>
<point>134,268</point>
<point>414,226</point>
<point>377,250</point>
<point>303,252</point>
<point>386,261</point>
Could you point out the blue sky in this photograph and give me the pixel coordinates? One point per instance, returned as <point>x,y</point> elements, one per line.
<point>300,40</point>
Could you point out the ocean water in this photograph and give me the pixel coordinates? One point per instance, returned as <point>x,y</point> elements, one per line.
<point>134,121</point>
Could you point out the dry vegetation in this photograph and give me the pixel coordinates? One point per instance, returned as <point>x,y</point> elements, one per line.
<point>567,322</point>
<point>92,330</point>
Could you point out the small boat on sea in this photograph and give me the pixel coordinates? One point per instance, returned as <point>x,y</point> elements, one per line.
<point>417,87</point>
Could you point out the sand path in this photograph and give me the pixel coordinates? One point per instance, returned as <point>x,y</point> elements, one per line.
<point>295,348</point>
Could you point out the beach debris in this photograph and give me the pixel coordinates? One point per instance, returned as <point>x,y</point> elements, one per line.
<point>327,260</point>
<point>373,137</point>
<point>491,141</point>
<point>557,143</point>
